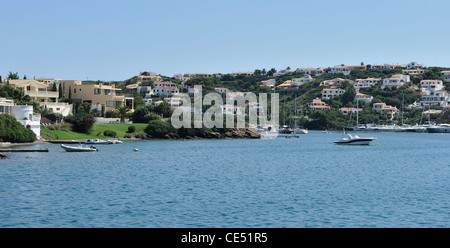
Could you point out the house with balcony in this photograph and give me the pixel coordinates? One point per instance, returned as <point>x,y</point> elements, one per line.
<point>428,85</point>
<point>365,83</point>
<point>145,80</point>
<point>330,93</point>
<point>300,81</point>
<point>100,96</point>
<point>381,106</point>
<point>346,70</point>
<point>311,71</point>
<point>268,83</point>
<point>415,65</point>
<point>445,75</point>
<point>222,90</point>
<point>360,97</point>
<point>165,91</point>
<point>386,66</point>
<point>333,83</point>
<point>319,105</point>
<point>38,91</point>
<point>414,72</point>
<point>396,81</point>
<point>347,111</point>
<point>248,74</point>
<point>436,98</point>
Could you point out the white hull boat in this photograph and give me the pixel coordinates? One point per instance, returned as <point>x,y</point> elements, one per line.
<point>79,148</point>
<point>354,140</point>
<point>96,142</point>
<point>441,128</point>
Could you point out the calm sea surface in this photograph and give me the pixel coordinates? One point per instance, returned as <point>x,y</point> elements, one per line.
<point>307,182</point>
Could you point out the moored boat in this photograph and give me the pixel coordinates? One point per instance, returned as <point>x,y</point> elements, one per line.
<point>79,148</point>
<point>354,140</point>
<point>96,142</point>
<point>440,128</point>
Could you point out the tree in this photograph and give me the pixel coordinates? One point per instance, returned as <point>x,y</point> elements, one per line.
<point>60,95</point>
<point>13,75</point>
<point>12,131</point>
<point>139,115</point>
<point>164,108</point>
<point>122,113</point>
<point>70,94</point>
<point>257,72</point>
<point>271,72</point>
<point>349,95</point>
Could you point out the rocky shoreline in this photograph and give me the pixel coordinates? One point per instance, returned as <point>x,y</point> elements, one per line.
<point>235,133</point>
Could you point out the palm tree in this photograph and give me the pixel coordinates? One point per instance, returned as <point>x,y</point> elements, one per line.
<point>122,113</point>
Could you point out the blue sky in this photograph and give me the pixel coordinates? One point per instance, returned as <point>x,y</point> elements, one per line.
<point>115,40</point>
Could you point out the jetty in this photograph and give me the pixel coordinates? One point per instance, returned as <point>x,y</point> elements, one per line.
<point>23,150</point>
<point>3,156</point>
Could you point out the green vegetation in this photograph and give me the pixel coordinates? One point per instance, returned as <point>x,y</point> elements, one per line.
<point>61,132</point>
<point>13,131</point>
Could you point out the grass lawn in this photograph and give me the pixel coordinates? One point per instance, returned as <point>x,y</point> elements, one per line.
<point>120,129</point>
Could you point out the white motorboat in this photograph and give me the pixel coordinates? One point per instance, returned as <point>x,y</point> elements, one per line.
<point>96,142</point>
<point>79,148</point>
<point>440,128</point>
<point>115,141</point>
<point>301,131</point>
<point>354,140</point>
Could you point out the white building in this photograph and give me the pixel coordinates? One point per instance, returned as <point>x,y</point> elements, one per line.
<point>431,85</point>
<point>415,65</point>
<point>330,93</point>
<point>437,98</point>
<point>62,108</point>
<point>365,83</point>
<point>221,90</point>
<point>336,82</point>
<point>165,90</point>
<point>347,111</point>
<point>268,83</point>
<point>395,81</point>
<point>301,81</point>
<point>445,76</point>
<point>360,97</point>
<point>242,74</point>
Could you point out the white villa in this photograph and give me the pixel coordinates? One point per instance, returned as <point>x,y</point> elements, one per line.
<point>318,105</point>
<point>365,83</point>
<point>23,114</point>
<point>336,82</point>
<point>347,111</point>
<point>437,98</point>
<point>431,85</point>
<point>415,65</point>
<point>221,90</point>
<point>414,72</point>
<point>360,97</point>
<point>395,81</point>
<point>330,93</point>
<point>301,81</point>
<point>268,83</point>
<point>445,76</point>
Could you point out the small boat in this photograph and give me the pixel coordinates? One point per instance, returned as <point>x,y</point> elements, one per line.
<point>325,131</point>
<point>116,141</point>
<point>301,131</point>
<point>440,128</point>
<point>96,142</point>
<point>79,148</point>
<point>286,130</point>
<point>354,140</point>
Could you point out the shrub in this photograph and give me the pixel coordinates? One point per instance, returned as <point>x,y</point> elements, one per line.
<point>81,122</point>
<point>131,129</point>
<point>159,129</point>
<point>12,131</point>
<point>110,133</point>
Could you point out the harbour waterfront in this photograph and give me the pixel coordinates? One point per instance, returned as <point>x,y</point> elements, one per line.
<point>400,180</point>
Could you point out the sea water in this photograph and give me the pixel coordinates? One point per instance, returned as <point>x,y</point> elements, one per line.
<point>400,180</point>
